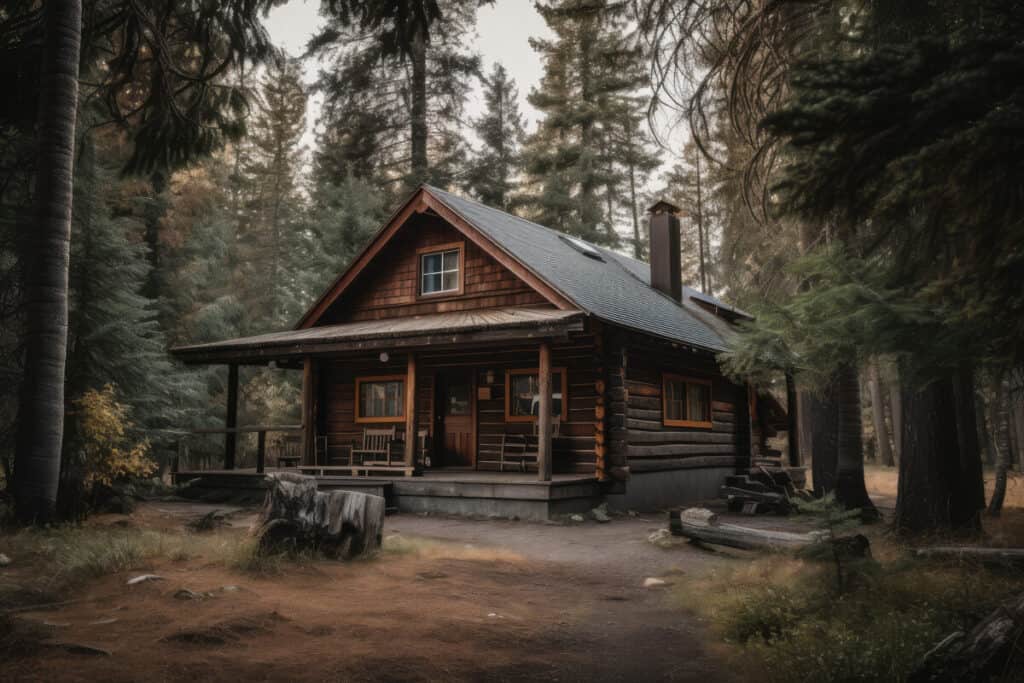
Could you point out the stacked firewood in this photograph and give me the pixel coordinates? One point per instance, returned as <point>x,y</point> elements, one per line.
<point>765,487</point>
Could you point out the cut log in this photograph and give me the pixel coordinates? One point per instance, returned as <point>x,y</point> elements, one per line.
<point>986,555</point>
<point>296,516</point>
<point>702,525</point>
<point>989,652</point>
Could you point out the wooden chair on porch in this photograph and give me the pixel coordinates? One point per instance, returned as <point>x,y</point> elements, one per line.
<point>377,447</point>
<point>514,450</point>
<point>289,451</point>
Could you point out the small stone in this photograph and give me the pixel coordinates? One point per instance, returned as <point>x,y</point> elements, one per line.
<point>576,518</point>
<point>661,538</point>
<point>79,649</point>
<point>103,622</point>
<point>651,582</point>
<point>144,578</point>
<point>186,594</point>
<point>4,560</point>
<point>632,513</point>
<point>229,589</point>
<point>600,513</point>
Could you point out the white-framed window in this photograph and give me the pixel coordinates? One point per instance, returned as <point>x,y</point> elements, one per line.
<point>441,270</point>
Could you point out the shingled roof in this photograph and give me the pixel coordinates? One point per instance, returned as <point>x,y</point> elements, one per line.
<point>613,287</point>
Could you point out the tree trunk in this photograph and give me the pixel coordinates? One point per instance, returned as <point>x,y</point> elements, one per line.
<point>823,420</point>
<point>1001,446</point>
<point>878,417</point>
<point>1017,408</point>
<point>41,409</point>
<point>981,408</point>
<point>700,231</point>
<point>419,107</point>
<point>792,422</point>
<point>939,484</point>
<point>896,412</point>
<point>851,491</point>
<point>967,476</point>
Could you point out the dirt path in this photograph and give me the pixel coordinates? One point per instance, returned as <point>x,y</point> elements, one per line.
<point>452,600</point>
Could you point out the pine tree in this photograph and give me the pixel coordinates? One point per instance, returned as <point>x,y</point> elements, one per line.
<point>395,91</point>
<point>494,170</point>
<point>587,96</point>
<point>688,186</point>
<point>268,227</point>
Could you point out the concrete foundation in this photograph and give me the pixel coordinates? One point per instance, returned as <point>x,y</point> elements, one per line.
<point>652,491</point>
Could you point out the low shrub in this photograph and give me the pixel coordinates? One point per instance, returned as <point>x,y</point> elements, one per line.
<point>791,624</point>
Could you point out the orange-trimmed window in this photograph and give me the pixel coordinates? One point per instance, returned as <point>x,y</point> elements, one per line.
<point>522,394</point>
<point>685,401</point>
<point>441,269</point>
<point>380,398</point>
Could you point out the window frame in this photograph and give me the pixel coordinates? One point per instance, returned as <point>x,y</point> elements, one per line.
<point>510,372</point>
<point>369,379</point>
<point>667,377</point>
<point>423,252</point>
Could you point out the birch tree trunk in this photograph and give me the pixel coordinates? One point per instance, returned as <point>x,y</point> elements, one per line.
<point>878,416</point>
<point>40,428</point>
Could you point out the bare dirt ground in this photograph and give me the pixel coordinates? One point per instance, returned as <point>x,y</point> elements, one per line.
<point>450,600</point>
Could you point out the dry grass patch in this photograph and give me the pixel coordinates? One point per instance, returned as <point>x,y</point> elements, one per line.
<point>788,623</point>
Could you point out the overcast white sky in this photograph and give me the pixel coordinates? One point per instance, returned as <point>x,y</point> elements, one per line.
<point>503,30</point>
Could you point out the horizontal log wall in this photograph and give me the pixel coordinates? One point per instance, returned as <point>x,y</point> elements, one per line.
<point>648,443</point>
<point>389,286</point>
<point>574,447</point>
<point>338,396</point>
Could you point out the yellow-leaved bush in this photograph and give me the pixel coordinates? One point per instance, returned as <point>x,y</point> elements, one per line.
<point>102,425</point>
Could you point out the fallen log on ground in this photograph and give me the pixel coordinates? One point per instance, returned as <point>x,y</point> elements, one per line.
<point>986,555</point>
<point>296,516</point>
<point>702,525</point>
<point>991,651</point>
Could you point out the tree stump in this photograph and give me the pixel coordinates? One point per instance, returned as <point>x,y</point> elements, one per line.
<point>992,650</point>
<point>296,516</point>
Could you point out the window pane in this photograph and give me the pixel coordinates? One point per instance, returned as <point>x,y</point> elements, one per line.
<point>451,260</point>
<point>431,283</point>
<point>431,263</point>
<point>451,280</point>
<point>675,402</point>
<point>525,394</point>
<point>698,402</point>
<point>381,399</point>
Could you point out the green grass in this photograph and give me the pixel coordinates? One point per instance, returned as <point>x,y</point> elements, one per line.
<point>789,624</point>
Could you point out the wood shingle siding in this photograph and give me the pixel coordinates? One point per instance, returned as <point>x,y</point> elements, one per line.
<point>389,287</point>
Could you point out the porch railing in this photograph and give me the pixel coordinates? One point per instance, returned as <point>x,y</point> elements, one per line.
<point>261,431</point>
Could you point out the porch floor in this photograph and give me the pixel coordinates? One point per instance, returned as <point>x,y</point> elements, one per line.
<point>472,493</point>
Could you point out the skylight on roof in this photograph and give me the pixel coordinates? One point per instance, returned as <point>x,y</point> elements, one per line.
<point>582,247</point>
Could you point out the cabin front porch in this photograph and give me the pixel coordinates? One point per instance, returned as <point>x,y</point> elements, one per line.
<point>473,494</point>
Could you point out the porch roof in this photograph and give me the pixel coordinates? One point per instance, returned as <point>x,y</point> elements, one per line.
<point>455,327</point>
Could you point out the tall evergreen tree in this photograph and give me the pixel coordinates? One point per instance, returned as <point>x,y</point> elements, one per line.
<point>269,221</point>
<point>395,91</point>
<point>494,170</point>
<point>586,97</point>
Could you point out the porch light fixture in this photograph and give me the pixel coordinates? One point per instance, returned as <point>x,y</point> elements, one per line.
<point>384,356</point>
<point>489,377</point>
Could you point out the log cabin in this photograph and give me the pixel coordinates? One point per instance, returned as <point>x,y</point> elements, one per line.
<point>512,370</point>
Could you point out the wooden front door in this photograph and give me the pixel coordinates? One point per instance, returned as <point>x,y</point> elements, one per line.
<point>455,419</point>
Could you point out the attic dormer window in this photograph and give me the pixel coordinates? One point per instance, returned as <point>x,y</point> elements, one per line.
<point>441,269</point>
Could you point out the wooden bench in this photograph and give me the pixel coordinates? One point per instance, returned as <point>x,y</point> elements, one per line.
<point>378,445</point>
<point>513,450</point>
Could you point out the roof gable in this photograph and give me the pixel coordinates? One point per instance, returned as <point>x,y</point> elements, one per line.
<point>613,287</point>
<point>420,203</point>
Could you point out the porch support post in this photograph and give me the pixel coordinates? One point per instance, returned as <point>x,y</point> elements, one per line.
<point>544,413</point>
<point>411,439</point>
<point>308,410</point>
<point>231,421</point>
